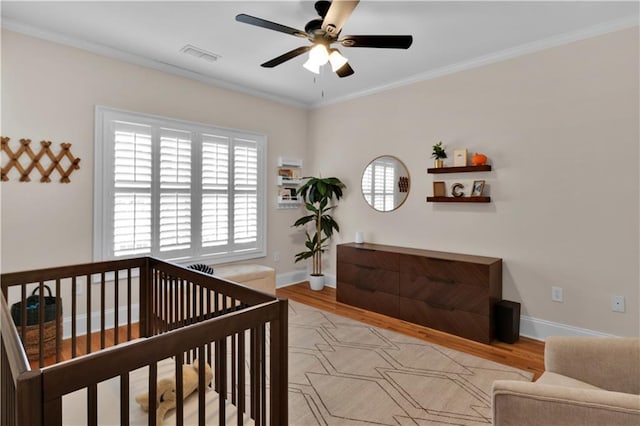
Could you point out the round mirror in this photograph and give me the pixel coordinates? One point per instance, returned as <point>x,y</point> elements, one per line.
<point>385,183</point>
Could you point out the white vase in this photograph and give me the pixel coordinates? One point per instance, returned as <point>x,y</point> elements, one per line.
<point>316,282</point>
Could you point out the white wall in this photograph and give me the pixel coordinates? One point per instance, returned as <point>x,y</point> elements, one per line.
<point>49,92</point>
<point>561,129</point>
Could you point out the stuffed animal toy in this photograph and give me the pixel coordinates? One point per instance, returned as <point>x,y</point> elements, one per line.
<point>166,390</point>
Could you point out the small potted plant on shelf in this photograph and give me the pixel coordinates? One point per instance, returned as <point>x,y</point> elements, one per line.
<point>317,193</point>
<point>439,154</point>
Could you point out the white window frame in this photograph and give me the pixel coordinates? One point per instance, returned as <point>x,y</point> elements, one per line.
<point>104,187</point>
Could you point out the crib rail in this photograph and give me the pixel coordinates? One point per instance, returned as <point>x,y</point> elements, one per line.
<point>182,313</point>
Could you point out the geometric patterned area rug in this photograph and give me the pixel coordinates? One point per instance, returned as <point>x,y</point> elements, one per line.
<point>344,372</point>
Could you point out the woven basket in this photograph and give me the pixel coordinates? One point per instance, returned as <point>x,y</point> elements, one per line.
<point>31,338</point>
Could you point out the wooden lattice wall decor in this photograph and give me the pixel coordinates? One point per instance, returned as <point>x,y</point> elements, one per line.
<point>38,161</point>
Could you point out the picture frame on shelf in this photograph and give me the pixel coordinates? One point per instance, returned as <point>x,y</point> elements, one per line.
<point>439,189</point>
<point>285,173</point>
<point>460,157</point>
<point>478,188</point>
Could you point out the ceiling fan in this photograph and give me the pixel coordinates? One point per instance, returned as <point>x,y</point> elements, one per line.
<point>322,33</point>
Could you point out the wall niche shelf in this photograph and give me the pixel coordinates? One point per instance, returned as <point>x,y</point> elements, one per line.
<point>458,199</point>
<point>289,178</point>
<point>465,169</point>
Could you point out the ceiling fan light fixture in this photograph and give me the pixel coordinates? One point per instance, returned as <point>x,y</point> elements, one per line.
<point>337,60</point>
<point>319,55</point>
<point>312,66</point>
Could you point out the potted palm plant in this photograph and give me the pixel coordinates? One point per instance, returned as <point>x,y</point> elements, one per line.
<point>317,193</point>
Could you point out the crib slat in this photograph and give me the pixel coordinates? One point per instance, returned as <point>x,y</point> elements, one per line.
<point>241,381</point>
<point>124,399</point>
<point>129,305</point>
<point>263,382</point>
<point>52,412</point>
<point>58,325</point>
<point>89,330</point>
<point>41,325</point>
<point>179,391</point>
<point>73,315</point>
<point>116,307</point>
<point>233,369</point>
<point>153,393</point>
<point>6,388</point>
<point>102,310</point>
<point>221,348</point>
<point>188,313</point>
<point>173,300</point>
<point>167,302</point>
<point>201,390</point>
<point>23,314</point>
<point>253,376</point>
<point>92,405</point>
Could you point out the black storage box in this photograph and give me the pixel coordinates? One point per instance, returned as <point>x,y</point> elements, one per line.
<point>507,321</point>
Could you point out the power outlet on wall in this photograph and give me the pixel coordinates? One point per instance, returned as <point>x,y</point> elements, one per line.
<point>557,294</point>
<point>617,303</point>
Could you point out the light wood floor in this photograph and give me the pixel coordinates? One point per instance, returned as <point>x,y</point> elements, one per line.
<point>526,354</point>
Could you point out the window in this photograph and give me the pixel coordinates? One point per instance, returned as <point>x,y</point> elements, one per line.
<point>378,183</point>
<point>177,190</point>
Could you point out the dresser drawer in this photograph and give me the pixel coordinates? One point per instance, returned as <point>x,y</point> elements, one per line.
<point>371,300</point>
<point>368,257</point>
<point>470,298</point>
<point>368,278</point>
<point>446,271</point>
<point>450,320</point>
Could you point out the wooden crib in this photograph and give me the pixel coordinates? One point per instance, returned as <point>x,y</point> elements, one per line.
<point>162,311</point>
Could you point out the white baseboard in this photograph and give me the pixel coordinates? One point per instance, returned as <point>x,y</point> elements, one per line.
<point>290,278</point>
<point>109,318</point>
<point>539,329</point>
<point>534,328</point>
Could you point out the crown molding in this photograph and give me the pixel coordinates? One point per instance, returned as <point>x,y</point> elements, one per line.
<point>558,40</point>
<point>120,55</point>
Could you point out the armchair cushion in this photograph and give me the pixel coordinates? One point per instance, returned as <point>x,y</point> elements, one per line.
<point>521,404</point>
<point>588,381</point>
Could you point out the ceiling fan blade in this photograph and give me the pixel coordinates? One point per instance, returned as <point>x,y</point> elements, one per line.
<point>285,57</point>
<point>345,71</point>
<point>259,22</point>
<point>379,41</point>
<point>337,15</point>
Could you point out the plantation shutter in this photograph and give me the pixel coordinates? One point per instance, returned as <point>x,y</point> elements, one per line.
<point>215,190</point>
<point>132,195</point>
<point>175,190</point>
<point>245,166</point>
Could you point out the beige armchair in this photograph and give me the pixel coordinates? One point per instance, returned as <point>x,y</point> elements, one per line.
<point>587,381</point>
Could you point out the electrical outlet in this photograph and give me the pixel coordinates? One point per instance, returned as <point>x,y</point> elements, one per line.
<point>617,303</point>
<point>276,256</point>
<point>557,294</point>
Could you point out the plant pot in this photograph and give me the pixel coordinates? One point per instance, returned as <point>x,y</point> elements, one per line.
<point>439,163</point>
<point>316,282</point>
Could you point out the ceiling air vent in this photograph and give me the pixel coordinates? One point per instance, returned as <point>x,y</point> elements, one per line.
<point>199,53</point>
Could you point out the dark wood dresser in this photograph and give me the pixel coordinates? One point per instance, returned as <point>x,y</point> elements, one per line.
<point>451,292</point>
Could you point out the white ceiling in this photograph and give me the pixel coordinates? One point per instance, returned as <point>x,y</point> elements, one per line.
<point>448,36</point>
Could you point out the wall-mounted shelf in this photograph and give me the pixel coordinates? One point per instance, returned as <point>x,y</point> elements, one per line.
<point>283,181</point>
<point>465,169</point>
<point>458,199</point>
